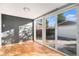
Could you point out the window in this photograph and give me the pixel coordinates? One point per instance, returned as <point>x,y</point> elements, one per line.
<point>50,31</point>
<point>67,32</point>
<point>39,30</point>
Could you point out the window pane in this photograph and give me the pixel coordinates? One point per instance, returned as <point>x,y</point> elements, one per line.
<point>50,31</point>
<point>39,30</point>
<point>67,32</point>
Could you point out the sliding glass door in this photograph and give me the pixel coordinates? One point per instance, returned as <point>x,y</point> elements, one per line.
<point>39,30</point>
<point>50,31</point>
<point>67,32</point>
<point>59,31</point>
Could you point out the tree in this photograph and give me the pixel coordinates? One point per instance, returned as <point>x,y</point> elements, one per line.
<point>47,23</point>
<point>61,18</point>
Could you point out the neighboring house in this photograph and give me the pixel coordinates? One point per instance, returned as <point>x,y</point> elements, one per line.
<point>67,29</point>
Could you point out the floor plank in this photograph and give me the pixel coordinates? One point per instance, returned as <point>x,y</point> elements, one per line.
<point>28,48</point>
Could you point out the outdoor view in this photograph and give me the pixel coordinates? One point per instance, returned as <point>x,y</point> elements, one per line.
<point>67,32</point>
<point>50,31</point>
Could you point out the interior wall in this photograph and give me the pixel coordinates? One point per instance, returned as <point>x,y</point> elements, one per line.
<point>0,29</point>
<point>12,22</point>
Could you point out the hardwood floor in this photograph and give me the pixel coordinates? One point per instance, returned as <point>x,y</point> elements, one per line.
<point>28,48</point>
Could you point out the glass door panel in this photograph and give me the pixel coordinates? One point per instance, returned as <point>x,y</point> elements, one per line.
<point>67,32</point>
<point>39,30</point>
<point>50,31</point>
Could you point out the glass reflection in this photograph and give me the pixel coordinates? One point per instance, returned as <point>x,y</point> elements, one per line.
<point>67,32</point>
<point>39,30</point>
<point>50,31</point>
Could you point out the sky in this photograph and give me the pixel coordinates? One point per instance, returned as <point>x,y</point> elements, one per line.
<point>51,20</point>
<point>69,15</point>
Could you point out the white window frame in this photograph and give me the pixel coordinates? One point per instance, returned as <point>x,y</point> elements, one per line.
<point>74,6</point>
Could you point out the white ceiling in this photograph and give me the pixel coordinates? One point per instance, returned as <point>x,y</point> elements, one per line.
<point>36,9</point>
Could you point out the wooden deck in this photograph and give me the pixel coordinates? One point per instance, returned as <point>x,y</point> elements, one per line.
<point>28,48</point>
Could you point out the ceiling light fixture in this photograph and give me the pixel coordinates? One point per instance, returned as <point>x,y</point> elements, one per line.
<point>26,9</point>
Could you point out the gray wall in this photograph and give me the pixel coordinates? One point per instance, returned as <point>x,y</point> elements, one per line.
<point>13,22</point>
